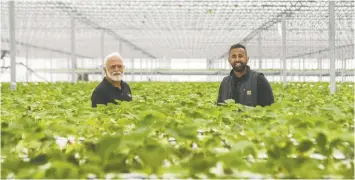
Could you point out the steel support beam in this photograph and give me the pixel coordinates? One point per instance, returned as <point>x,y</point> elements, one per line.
<point>271,22</point>
<point>350,46</point>
<point>291,68</point>
<point>343,66</point>
<point>69,9</point>
<point>132,69</point>
<point>102,47</point>
<point>320,67</point>
<point>299,68</point>
<point>51,66</point>
<point>141,67</point>
<point>28,72</point>
<point>259,51</point>
<point>68,66</point>
<point>332,46</point>
<point>5,40</point>
<point>284,49</point>
<point>146,67</point>
<point>72,46</point>
<point>12,44</point>
<point>303,69</point>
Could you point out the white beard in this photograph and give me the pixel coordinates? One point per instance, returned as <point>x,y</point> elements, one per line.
<point>115,77</point>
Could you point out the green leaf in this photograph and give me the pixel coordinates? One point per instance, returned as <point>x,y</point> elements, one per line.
<point>241,145</point>
<point>116,164</point>
<point>232,159</point>
<point>305,145</point>
<point>201,163</point>
<point>321,140</point>
<point>278,141</point>
<point>60,169</point>
<point>39,160</point>
<point>152,155</point>
<point>108,145</point>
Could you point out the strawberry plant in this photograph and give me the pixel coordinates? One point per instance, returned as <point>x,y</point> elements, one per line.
<point>49,130</point>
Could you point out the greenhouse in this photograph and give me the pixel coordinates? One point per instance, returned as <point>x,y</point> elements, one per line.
<point>178,89</point>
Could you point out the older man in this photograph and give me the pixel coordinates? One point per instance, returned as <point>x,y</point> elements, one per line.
<point>112,87</point>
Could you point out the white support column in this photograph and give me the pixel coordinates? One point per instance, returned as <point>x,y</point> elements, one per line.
<point>167,65</point>
<point>132,75</point>
<point>68,66</point>
<point>147,68</point>
<point>155,69</point>
<point>320,67</point>
<point>303,68</point>
<point>343,58</point>
<point>12,44</point>
<point>284,49</point>
<point>343,66</point>
<point>119,46</point>
<point>209,64</point>
<point>259,50</point>
<point>102,48</point>
<point>218,66</point>
<point>119,49</point>
<point>275,61</point>
<point>332,46</point>
<point>50,66</point>
<point>152,63</point>
<point>299,70</point>
<point>141,68</point>
<point>43,59</point>
<point>151,69</point>
<point>292,69</point>
<point>73,56</point>
<point>28,74</point>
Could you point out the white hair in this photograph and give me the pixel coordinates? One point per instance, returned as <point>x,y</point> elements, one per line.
<point>109,56</point>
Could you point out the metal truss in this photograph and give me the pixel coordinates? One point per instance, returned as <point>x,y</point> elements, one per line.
<point>181,28</point>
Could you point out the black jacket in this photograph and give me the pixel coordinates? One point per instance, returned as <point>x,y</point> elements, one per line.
<point>106,93</point>
<point>251,89</point>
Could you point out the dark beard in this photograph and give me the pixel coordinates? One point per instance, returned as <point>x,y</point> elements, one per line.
<point>240,68</point>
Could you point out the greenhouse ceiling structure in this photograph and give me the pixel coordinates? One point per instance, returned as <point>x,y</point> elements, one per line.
<point>159,29</point>
<point>178,29</point>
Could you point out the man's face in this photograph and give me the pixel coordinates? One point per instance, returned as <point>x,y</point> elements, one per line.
<point>114,68</point>
<point>238,59</point>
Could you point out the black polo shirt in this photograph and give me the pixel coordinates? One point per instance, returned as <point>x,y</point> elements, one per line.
<point>106,93</point>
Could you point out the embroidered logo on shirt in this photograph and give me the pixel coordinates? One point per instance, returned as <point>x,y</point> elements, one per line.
<point>248,92</point>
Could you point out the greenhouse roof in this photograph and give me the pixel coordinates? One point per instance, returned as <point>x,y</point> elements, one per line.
<point>179,29</point>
